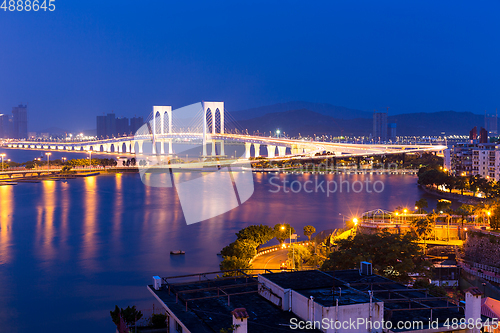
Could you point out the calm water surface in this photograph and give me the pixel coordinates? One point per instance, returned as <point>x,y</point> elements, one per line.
<point>71,250</point>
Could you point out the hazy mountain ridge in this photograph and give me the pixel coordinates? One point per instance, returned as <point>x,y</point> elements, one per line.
<point>338,112</point>
<point>307,122</point>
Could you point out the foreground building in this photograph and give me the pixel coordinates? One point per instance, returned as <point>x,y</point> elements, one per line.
<point>470,159</point>
<point>307,301</point>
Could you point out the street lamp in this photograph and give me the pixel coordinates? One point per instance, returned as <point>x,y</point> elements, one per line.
<point>2,155</point>
<point>355,221</point>
<point>48,160</point>
<point>90,161</point>
<point>293,249</point>
<point>278,133</point>
<point>64,159</point>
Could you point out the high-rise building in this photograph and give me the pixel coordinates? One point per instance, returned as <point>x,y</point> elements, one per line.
<point>122,126</point>
<point>380,126</point>
<point>20,122</point>
<point>135,124</point>
<point>101,127</point>
<point>392,131</point>
<point>3,125</point>
<point>111,125</point>
<point>473,134</point>
<point>483,136</point>
<point>491,123</point>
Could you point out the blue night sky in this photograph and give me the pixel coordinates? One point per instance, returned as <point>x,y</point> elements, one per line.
<point>90,57</point>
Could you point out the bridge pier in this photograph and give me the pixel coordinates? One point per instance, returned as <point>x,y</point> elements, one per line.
<point>248,145</point>
<point>257,149</point>
<point>170,149</point>
<point>132,147</point>
<point>140,143</point>
<point>162,147</point>
<point>222,152</point>
<point>213,148</point>
<point>281,151</point>
<point>271,151</point>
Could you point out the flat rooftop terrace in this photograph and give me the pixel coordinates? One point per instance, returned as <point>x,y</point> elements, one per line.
<point>205,305</point>
<point>401,303</point>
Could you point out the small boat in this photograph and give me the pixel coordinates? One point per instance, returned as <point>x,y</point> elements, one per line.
<point>177,252</point>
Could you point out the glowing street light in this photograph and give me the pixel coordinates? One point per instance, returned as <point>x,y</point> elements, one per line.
<point>48,160</point>
<point>293,249</point>
<point>278,133</point>
<point>90,161</point>
<point>2,155</point>
<point>355,221</point>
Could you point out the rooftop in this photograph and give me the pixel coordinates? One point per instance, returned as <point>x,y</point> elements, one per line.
<point>210,302</point>
<point>205,305</point>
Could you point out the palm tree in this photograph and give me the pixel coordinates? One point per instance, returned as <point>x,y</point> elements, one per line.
<point>433,217</point>
<point>423,227</point>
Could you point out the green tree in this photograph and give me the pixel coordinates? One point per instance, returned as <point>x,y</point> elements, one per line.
<point>232,263</point>
<point>450,182</point>
<point>283,231</point>
<point>159,320</point>
<point>259,234</point>
<point>130,315</point>
<point>495,218</point>
<point>299,254</point>
<point>421,204</point>
<point>241,248</point>
<point>392,255</point>
<point>115,315</point>
<point>433,289</point>
<point>423,227</point>
<point>309,230</point>
<point>462,184</point>
<point>431,176</point>
<point>66,169</point>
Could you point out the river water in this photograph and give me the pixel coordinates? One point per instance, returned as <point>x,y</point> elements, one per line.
<point>71,250</point>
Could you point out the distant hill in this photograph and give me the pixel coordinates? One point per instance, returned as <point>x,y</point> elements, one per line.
<point>54,130</point>
<point>307,122</point>
<point>338,112</point>
<point>450,122</point>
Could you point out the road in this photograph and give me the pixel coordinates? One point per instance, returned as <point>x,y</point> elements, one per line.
<point>271,260</point>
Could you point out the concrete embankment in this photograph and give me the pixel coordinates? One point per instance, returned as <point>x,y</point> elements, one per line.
<point>467,199</point>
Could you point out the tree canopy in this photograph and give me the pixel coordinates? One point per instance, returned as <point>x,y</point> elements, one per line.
<point>392,255</point>
<point>309,230</point>
<point>260,234</point>
<point>283,231</point>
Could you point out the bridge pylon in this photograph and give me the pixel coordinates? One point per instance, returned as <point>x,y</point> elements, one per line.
<point>214,108</point>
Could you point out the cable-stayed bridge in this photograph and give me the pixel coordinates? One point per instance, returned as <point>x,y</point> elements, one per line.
<point>201,126</point>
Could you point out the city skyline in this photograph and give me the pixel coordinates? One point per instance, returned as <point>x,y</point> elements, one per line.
<point>426,57</point>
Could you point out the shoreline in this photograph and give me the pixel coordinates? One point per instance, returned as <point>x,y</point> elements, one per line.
<point>467,199</point>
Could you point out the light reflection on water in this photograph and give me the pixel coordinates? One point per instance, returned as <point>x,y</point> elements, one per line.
<point>6,207</point>
<point>81,246</point>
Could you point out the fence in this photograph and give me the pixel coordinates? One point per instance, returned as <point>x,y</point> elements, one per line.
<point>479,271</point>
